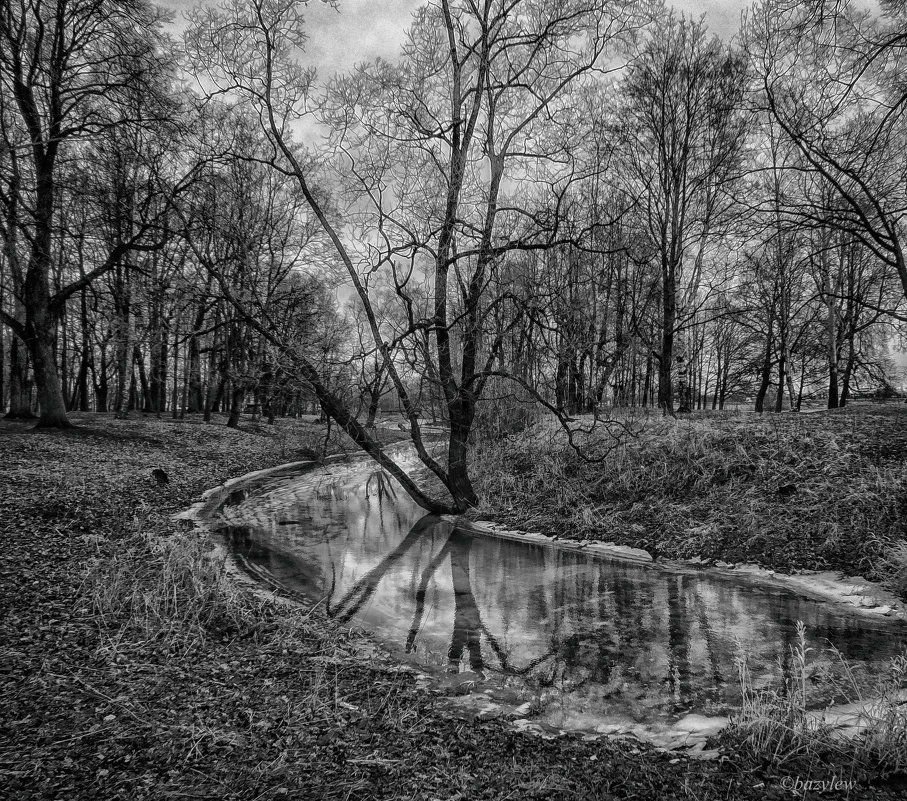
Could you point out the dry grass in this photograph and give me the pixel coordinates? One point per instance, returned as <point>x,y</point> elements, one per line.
<point>780,728</point>
<point>789,492</point>
<point>895,557</point>
<point>172,591</point>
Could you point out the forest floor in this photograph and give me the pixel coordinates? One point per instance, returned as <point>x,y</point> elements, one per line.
<point>131,667</point>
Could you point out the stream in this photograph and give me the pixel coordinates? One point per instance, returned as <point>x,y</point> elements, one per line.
<point>572,640</point>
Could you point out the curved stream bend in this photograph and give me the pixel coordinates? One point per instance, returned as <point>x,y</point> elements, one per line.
<point>582,641</point>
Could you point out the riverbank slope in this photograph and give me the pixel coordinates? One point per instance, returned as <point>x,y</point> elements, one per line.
<point>820,491</point>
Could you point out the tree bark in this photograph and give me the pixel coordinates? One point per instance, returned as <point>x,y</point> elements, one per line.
<point>236,398</point>
<point>668,319</point>
<point>766,373</point>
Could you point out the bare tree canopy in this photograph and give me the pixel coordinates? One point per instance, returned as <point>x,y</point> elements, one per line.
<point>536,209</point>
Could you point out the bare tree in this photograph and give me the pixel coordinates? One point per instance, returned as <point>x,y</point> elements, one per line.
<point>65,68</point>
<point>472,102</point>
<point>832,76</point>
<point>684,131</point>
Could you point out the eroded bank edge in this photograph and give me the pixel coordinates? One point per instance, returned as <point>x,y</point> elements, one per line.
<point>850,593</point>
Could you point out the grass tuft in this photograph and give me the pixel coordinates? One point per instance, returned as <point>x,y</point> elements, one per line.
<point>172,591</point>
<point>780,728</point>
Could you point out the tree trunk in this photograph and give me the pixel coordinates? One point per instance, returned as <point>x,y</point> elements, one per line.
<point>236,399</point>
<point>848,373</point>
<point>647,380</point>
<point>40,324</point>
<point>133,391</point>
<point>47,381</point>
<point>831,346</point>
<point>802,381</point>
<point>175,406</point>
<point>2,350</point>
<point>19,390</point>
<point>40,336</point>
<point>138,360</point>
<point>195,400</point>
<point>669,312</point>
<point>81,388</point>
<point>373,404</point>
<point>157,370</point>
<point>782,374</point>
<point>766,374</point>
<point>460,486</point>
<point>101,383</point>
<point>123,352</point>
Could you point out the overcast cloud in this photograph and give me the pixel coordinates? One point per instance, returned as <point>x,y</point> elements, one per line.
<point>362,30</point>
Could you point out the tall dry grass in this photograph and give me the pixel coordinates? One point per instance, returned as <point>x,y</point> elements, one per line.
<point>785,492</point>
<point>780,727</point>
<point>170,590</point>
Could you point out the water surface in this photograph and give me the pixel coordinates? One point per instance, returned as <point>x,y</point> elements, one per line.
<point>593,643</point>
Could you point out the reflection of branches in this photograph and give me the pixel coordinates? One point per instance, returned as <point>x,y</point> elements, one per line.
<point>557,650</point>
<point>468,621</point>
<point>383,487</point>
<point>468,625</point>
<point>467,618</point>
<point>509,670</point>
<point>426,576</point>
<point>363,589</point>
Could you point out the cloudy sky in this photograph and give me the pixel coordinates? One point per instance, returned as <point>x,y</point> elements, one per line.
<point>361,30</point>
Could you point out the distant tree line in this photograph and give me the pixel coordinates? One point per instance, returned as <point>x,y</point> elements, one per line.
<point>573,206</point>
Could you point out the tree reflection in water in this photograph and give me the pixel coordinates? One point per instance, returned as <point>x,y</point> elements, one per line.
<point>599,639</point>
<point>467,623</point>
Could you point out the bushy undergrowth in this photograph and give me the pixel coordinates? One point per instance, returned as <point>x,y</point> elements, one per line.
<point>779,727</point>
<point>786,492</point>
